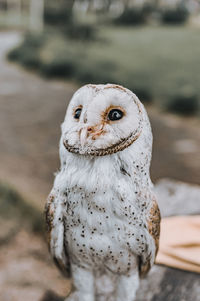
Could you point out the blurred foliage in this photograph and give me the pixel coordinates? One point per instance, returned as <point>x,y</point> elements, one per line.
<point>61,13</point>
<point>95,72</point>
<point>28,52</point>
<point>176,15</point>
<point>131,16</point>
<point>59,67</point>
<point>185,102</point>
<point>82,32</point>
<point>34,41</point>
<point>14,207</point>
<point>142,93</point>
<point>57,16</point>
<point>134,16</point>
<point>58,13</point>
<point>60,16</point>
<point>152,61</point>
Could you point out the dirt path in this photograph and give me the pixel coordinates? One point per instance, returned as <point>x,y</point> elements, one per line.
<point>27,270</point>
<point>31,110</point>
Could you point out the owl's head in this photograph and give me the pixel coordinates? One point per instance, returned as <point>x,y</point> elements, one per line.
<point>101,120</point>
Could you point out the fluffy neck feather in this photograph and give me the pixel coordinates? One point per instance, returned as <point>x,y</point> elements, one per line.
<point>133,163</point>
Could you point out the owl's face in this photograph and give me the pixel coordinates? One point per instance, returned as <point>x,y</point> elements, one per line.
<point>101,120</point>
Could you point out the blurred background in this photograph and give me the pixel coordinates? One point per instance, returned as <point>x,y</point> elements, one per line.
<point>50,48</point>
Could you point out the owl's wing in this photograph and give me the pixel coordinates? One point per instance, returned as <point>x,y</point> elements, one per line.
<point>55,224</point>
<point>153,222</point>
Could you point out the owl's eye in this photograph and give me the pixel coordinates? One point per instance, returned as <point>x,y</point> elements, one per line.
<point>115,114</point>
<point>77,113</point>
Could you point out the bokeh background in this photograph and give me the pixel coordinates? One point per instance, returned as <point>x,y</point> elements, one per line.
<point>47,50</point>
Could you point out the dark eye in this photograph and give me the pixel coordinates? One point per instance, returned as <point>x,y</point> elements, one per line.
<point>115,114</point>
<point>77,113</point>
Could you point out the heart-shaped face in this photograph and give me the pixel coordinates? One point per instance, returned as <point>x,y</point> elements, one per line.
<point>101,120</point>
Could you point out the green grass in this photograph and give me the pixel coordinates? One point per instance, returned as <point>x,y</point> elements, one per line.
<point>163,58</point>
<point>160,61</point>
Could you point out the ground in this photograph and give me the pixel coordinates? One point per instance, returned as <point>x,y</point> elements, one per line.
<point>31,111</point>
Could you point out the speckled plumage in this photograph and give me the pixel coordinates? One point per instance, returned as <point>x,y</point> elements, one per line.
<point>102,216</point>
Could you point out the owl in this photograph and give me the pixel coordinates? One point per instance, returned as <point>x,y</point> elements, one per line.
<point>102,218</point>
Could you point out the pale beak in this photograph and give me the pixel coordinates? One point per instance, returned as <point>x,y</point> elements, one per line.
<point>83,136</point>
<point>92,131</point>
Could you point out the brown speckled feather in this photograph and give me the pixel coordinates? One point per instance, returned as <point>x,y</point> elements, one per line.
<point>154,229</point>
<point>49,218</point>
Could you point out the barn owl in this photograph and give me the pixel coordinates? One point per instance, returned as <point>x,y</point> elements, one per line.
<point>102,218</point>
